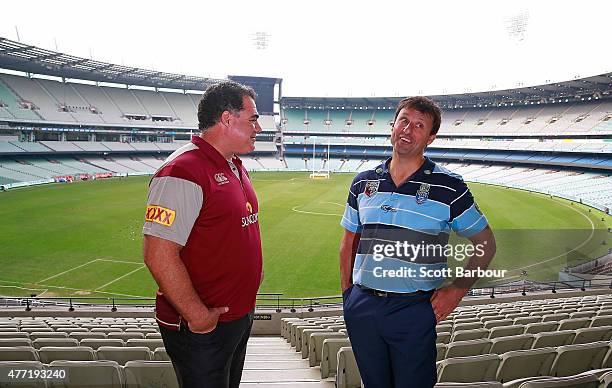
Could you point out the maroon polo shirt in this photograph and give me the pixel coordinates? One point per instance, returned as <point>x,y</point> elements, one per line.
<point>197,200</point>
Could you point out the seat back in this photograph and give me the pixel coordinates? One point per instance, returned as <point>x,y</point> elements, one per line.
<point>150,374</point>
<point>468,369</point>
<point>49,354</point>
<point>518,364</point>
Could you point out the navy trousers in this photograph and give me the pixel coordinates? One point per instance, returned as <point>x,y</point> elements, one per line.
<point>211,360</point>
<point>393,338</point>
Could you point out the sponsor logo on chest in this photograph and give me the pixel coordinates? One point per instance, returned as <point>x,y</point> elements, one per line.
<point>252,218</point>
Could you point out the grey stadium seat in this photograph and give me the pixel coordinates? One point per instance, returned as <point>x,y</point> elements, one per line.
<point>329,355</point>
<point>151,343</point>
<point>40,342</point>
<point>579,381</point>
<point>124,354</point>
<point>347,374</point>
<point>48,354</point>
<point>502,345</point>
<point>468,369</point>
<point>7,366</point>
<point>18,353</point>
<point>525,363</point>
<point>95,343</point>
<point>160,355</point>
<point>468,348</point>
<point>150,374</point>
<point>88,374</point>
<point>555,338</point>
<point>574,359</point>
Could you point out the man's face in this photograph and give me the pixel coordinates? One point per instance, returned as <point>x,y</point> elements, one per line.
<point>411,132</point>
<point>243,127</point>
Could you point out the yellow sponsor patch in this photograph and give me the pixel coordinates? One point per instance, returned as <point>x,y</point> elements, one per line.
<point>160,215</point>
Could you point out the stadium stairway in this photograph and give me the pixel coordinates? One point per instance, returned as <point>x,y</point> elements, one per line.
<point>272,363</point>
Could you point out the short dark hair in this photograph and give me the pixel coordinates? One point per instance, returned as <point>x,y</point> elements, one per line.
<point>425,106</point>
<point>218,98</point>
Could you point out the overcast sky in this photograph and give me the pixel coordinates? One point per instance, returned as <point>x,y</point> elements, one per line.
<point>333,48</point>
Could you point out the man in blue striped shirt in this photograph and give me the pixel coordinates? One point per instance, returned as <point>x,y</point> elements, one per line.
<point>393,255</point>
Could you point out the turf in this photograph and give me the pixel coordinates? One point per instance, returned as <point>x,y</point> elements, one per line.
<point>84,239</point>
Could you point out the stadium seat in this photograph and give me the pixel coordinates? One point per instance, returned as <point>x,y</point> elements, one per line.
<point>153,336</point>
<point>497,323</point>
<point>527,320</point>
<point>518,364</point>
<point>505,331</point>
<point>7,366</point>
<point>468,369</point>
<point>152,344</point>
<point>122,354</point>
<point>593,334</point>
<point>540,327</point>
<point>472,334</point>
<point>12,335</point>
<point>95,343</point>
<point>605,320</point>
<point>468,348</point>
<point>88,374</point>
<point>47,354</point>
<point>467,326</point>
<point>443,337</point>
<point>574,323</point>
<point>124,336</point>
<point>347,373</point>
<point>293,333</point>
<point>43,334</point>
<point>329,355</point>
<point>555,317</point>
<point>150,374</point>
<point>160,355</point>
<point>440,351</point>
<point>574,359</point>
<point>82,335</point>
<point>303,344</point>
<point>579,381</point>
<point>18,353</point>
<point>502,345</point>
<point>40,342</point>
<point>15,342</point>
<point>315,346</point>
<point>553,339</point>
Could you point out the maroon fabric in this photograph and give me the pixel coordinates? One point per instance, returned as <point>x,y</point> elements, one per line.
<point>223,252</point>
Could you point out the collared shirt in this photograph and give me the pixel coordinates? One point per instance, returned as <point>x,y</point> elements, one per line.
<point>405,230</point>
<point>200,201</point>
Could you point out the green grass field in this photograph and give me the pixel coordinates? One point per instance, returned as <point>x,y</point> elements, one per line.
<point>84,239</point>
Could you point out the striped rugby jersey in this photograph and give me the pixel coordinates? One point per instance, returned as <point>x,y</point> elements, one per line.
<point>420,213</point>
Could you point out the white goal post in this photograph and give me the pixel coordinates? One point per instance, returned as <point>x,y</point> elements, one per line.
<point>319,173</point>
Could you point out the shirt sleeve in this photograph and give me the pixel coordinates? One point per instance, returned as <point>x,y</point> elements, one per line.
<point>466,219</point>
<point>172,208</point>
<point>350,219</point>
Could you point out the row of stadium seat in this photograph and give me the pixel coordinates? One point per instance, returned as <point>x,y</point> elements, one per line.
<point>92,374</point>
<point>47,354</point>
<point>151,343</point>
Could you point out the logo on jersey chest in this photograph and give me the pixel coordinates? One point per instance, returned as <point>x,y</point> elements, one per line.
<point>422,193</point>
<point>371,188</point>
<point>221,179</point>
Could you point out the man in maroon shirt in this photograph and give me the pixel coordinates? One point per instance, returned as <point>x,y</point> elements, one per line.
<point>202,242</point>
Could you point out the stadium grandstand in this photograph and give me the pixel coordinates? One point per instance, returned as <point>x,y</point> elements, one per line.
<point>66,118</point>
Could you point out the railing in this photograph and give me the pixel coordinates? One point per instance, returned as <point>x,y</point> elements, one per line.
<point>276,302</point>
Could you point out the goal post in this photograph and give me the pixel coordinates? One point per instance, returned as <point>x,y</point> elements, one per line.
<point>324,171</point>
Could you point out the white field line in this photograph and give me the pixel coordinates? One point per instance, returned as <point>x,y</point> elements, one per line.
<point>295,209</point>
<point>335,203</point>
<point>64,272</point>
<point>560,255</point>
<point>78,289</point>
<point>120,261</point>
<point>120,277</point>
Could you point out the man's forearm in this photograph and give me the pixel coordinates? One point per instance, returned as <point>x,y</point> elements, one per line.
<point>486,241</point>
<point>348,249</point>
<point>165,265</point>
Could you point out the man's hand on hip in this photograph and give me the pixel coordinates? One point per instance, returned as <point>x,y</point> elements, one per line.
<point>445,300</point>
<point>208,321</point>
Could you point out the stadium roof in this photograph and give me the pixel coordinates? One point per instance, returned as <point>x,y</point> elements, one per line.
<point>583,89</point>
<point>31,59</point>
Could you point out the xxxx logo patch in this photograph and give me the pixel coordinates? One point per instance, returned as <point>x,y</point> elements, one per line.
<point>160,215</point>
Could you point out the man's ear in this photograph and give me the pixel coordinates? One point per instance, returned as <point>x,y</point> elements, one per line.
<point>431,139</point>
<point>225,116</point>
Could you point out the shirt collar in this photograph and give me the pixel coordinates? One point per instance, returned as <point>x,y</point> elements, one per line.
<point>426,168</point>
